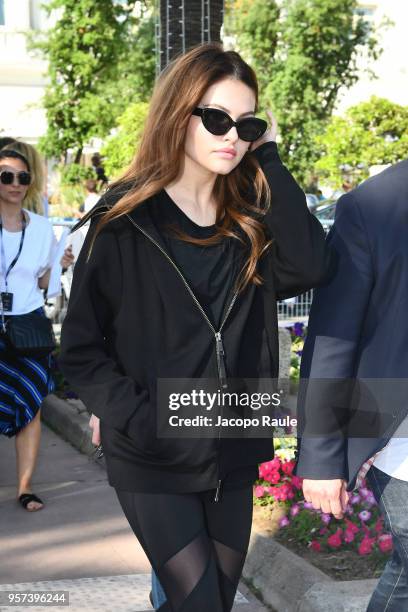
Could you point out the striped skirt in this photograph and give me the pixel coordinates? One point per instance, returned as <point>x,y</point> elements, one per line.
<point>24,383</point>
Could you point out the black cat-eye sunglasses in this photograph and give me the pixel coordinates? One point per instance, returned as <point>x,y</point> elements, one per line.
<point>218,122</point>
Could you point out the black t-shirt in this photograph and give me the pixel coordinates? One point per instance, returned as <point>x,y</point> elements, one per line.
<point>210,271</point>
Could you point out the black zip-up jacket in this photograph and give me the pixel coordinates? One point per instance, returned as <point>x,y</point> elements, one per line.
<point>132,319</point>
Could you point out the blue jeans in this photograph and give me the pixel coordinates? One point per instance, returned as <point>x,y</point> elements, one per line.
<point>158,595</point>
<point>391,594</point>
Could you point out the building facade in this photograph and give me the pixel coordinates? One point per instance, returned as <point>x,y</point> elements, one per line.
<point>391,69</point>
<point>22,74</point>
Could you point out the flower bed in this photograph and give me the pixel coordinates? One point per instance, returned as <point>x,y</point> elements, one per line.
<point>360,534</point>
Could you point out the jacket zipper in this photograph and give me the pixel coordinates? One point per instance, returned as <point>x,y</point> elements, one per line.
<point>222,375</point>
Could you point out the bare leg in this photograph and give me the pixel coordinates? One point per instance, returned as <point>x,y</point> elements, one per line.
<point>27,447</point>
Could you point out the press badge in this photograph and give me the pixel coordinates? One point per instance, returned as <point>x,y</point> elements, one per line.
<point>7,300</point>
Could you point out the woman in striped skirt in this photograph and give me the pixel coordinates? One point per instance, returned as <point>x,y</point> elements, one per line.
<point>27,245</point>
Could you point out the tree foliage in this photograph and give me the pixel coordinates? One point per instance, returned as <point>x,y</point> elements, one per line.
<point>94,69</point>
<point>370,133</point>
<point>120,148</point>
<point>303,52</point>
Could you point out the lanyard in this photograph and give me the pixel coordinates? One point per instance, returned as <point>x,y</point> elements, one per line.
<point>5,272</point>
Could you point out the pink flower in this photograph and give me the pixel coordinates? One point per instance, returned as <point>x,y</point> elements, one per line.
<point>323,531</point>
<point>326,518</point>
<point>295,509</point>
<point>287,467</point>
<point>370,499</point>
<point>283,493</point>
<point>378,527</point>
<point>348,536</point>
<point>270,470</point>
<point>273,477</point>
<point>385,542</point>
<point>314,545</point>
<point>364,492</point>
<point>366,545</point>
<point>308,505</point>
<point>355,499</point>
<point>272,491</point>
<point>364,515</point>
<point>335,539</point>
<point>297,482</point>
<point>275,463</point>
<point>284,521</point>
<point>352,527</point>
<point>259,491</point>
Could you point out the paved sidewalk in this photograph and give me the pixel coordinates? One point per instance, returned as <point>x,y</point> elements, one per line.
<point>80,542</point>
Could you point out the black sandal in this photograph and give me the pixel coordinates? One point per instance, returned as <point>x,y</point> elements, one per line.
<point>26,498</point>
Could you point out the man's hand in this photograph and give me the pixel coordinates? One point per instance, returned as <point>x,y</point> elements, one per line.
<point>330,496</point>
<point>94,422</point>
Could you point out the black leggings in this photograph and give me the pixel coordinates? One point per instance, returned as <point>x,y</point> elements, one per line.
<point>196,546</point>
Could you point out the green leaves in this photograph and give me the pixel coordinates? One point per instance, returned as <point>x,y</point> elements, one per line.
<point>370,133</point>
<point>100,59</point>
<point>303,52</point>
<point>120,148</point>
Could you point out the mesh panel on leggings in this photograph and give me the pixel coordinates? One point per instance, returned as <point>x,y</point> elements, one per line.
<point>229,561</point>
<point>182,572</point>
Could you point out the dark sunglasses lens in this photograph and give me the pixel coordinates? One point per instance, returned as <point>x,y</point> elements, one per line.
<point>216,122</point>
<point>7,177</point>
<point>251,129</point>
<point>24,178</point>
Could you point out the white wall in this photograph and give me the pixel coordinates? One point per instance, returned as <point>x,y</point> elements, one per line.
<point>22,75</point>
<point>392,66</point>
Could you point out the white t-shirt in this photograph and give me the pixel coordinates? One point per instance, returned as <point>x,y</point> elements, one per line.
<point>35,258</point>
<point>393,458</point>
<point>90,201</point>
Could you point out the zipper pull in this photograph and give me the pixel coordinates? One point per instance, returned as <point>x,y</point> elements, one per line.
<point>222,374</point>
<point>218,492</point>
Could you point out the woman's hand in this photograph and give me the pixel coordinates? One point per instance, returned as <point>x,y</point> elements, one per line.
<point>270,134</point>
<point>68,258</point>
<point>94,424</point>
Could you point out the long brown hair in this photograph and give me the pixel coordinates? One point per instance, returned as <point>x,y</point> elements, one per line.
<point>157,162</point>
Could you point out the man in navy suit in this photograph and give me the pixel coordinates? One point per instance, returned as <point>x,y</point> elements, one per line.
<point>353,400</point>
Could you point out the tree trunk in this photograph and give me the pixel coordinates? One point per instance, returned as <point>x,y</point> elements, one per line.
<point>187,23</point>
<point>78,156</point>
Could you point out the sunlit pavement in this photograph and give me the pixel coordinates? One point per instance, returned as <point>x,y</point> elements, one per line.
<point>79,542</point>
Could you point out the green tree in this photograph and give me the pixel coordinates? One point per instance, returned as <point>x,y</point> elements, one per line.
<point>371,133</point>
<point>303,51</point>
<point>120,148</point>
<point>83,50</point>
<point>135,74</point>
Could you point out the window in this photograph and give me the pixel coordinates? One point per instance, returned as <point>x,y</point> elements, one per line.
<point>366,10</point>
<point>2,20</point>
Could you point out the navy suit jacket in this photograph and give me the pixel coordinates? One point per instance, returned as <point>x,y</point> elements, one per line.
<point>355,362</point>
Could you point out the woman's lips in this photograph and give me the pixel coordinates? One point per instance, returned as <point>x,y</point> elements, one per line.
<point>227,153</point>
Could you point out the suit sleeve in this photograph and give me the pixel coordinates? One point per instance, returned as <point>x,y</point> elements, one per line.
<point>331,349</point>
<point>85,358</point>
<point>300,255</point>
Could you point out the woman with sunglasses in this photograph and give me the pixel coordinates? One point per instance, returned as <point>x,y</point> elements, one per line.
<point>35,200</point>
<point>26,248</point>
<point>178,279</point>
